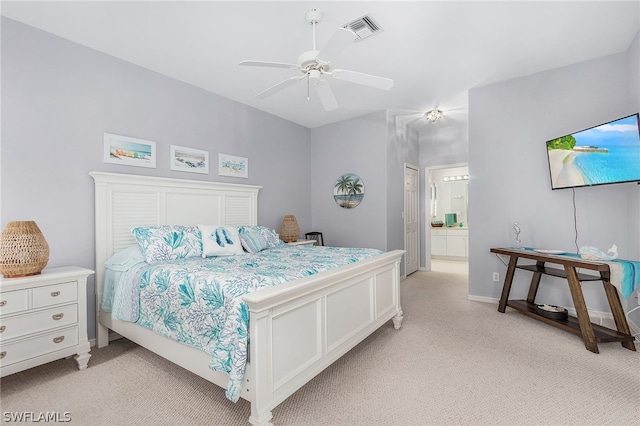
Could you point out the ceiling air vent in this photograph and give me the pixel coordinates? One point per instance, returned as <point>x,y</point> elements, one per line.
<point>363,27</point>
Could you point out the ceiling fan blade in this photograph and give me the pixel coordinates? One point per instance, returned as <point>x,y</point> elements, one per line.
<point>338,41</point>
<point>268,64</point>
<point>364,79</point>
<point>278,87</point>
<point>325,94</point>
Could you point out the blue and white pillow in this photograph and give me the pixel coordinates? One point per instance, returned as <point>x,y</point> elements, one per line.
<point>220,240</point>
<point>168,242</point>
<point>257,238</point>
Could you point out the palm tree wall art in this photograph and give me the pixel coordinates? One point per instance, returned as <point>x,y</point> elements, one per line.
<point>348,191</point>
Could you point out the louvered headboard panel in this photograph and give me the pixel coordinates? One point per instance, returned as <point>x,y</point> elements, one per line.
<point>125,201</point>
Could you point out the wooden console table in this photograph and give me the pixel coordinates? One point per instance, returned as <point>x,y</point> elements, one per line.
<point>592,334</point>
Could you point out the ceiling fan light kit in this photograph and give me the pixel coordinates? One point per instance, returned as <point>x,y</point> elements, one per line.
<point>315,70</point>
<point>433,115</point>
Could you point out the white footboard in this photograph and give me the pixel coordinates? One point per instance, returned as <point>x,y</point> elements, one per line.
<point>300,328</point>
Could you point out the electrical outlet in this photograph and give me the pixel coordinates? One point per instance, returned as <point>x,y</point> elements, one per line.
<point>496,276</point>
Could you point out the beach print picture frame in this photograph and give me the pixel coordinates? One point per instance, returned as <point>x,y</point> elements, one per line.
<point>348,191</point>
<point>128,151</point>
<point>230,165</point>
<point>189,160</point>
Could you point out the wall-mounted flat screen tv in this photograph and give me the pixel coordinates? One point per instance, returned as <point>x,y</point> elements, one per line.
<point>604,154</point>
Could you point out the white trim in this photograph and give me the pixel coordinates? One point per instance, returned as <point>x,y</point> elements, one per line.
<point>404,212</point>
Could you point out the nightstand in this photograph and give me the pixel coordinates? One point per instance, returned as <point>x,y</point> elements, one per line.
<point>43,318</point>
<point>302,242</point>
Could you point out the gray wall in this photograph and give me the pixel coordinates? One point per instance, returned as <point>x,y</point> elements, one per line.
<point>402,147</point>
<point>58,98</point>
<point>374,149</point>
<point>439,146</point>
<point>633,92</point>
<point>509,124</point>
<point>353,146</point>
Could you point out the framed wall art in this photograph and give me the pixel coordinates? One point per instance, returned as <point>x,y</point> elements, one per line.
<point>230,165</point>
<point>128,151</point>
<point>348,191</point>
<point>189,159</point>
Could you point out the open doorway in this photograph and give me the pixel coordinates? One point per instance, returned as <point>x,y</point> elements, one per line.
<point>446,233</point>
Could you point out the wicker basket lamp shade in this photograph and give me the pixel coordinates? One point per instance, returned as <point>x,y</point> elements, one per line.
<point>23,250</point>
<point>289,230</point>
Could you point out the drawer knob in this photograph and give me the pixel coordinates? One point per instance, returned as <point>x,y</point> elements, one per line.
<point>3,303</point>
<point>3,328</point>
<point>3,354</point>
<point>58,339</point>
<point>57,317</point>
<point>55,293</point>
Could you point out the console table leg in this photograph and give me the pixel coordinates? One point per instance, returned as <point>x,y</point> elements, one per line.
<point>535,283</point>
<point>508,279</point>
<point>586,328</point>
<point>617,311</point>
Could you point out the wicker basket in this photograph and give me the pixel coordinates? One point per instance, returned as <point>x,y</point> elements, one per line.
<point>23,250</point>
<point>289,230</point>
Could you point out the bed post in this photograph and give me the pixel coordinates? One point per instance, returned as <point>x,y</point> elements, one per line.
<point>101,223</point>
<point>260,363</point>
<point>397,319</point>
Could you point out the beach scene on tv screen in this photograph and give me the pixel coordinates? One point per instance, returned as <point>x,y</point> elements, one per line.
<point>608,153</point>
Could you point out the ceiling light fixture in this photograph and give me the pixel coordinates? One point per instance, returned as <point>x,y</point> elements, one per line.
<point>433,115</point>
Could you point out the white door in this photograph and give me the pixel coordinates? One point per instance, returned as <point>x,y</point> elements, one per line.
<point>411,214</point>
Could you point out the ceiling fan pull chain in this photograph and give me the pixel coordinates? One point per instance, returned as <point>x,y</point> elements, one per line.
<point>308,89</point>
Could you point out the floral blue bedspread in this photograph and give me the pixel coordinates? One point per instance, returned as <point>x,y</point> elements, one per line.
<point>197,301</point>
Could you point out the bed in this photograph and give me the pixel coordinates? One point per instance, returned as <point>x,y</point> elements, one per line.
<point>296,329</point>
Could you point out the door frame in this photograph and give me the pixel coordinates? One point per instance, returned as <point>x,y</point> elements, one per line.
<point>404,213</point>
<point>427,207</point>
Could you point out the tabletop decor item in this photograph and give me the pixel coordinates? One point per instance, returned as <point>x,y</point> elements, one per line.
<point>23,249</point>
<point>289,230</point>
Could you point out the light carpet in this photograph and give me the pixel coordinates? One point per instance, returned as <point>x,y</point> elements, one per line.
<point>453,362</point>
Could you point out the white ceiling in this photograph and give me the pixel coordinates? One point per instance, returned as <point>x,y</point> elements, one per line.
<point>434,51</point>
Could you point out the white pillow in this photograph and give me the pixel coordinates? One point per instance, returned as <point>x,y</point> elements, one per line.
<point>125,259</point>
<point>220,240</point>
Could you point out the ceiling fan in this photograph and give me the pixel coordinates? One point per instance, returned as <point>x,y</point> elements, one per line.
<point>316,70</point>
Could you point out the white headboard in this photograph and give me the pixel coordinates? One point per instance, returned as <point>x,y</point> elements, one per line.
<point>123,202</point>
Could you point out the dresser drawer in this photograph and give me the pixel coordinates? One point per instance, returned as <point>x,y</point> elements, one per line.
<point>30,348</point>
<point>33,322</point>
<point>55,294</point>
<point>13,301</point>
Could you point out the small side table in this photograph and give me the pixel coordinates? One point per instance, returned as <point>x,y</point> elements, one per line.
<point>302,242</point>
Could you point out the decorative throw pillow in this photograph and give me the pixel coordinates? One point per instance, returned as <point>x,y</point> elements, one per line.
<point>220,240</point>
<point>168,242</point>
<point>258,238</point>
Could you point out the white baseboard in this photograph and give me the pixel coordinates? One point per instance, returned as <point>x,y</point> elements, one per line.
<point>635,329</point>
<point>483,299</point>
